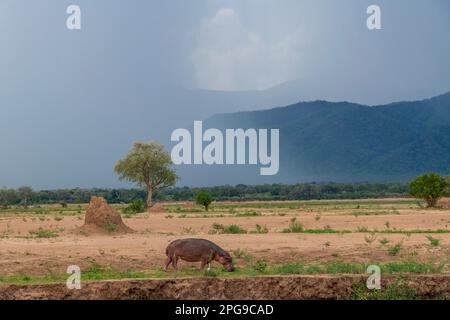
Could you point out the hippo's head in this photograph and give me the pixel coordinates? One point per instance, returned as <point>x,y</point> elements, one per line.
<point>226,260</point>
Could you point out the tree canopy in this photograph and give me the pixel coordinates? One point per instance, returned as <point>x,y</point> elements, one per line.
<point>429,187</point>
<point>148,165</point>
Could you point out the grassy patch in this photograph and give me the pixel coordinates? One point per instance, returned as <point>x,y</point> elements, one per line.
<point>258,267</point>
<point>413,231</point>
<point>374,213</point>
<point>396,291</point>
<point>433,241</point>
<point>297,227</point>
<point>110,226</point>
<point>179,209</point>
<point>341,267</point>
<point>395,249</point>
<point>349,204</point>
<point>70,210</point>
<point>217,228</point>
<point>248,214</point>
<point>44,233</point>
<point>325,230</point>
<point>260,229</point>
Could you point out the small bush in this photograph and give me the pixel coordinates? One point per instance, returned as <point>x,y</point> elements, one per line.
<point>433,241</point>
<point>371,238</point>
<point>294,227</point>
<point>233,228</point>
<point>136,206</point>
<point>241,254</point>
<point>362,229</point>
<point>217,228</point>
<point>394,250</point>
<point>204,199</point>
<point>260,265</point>
<point>261,229</point>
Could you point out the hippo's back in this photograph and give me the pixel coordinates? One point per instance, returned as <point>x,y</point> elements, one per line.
<point>193,245</point>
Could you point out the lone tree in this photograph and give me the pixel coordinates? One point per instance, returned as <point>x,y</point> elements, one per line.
<point>148,165</point>
<point>25,194</point>
<point>429,187</point>
<point>204,199</point>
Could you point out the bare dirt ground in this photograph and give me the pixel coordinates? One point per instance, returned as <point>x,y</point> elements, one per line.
<point>42,242</point>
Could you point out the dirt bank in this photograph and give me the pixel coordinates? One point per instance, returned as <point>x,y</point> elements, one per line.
<point>269,287</point>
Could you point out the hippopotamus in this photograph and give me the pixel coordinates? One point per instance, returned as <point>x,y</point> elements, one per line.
<point>194,250</point>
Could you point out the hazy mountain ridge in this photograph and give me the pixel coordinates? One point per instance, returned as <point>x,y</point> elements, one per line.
<point>344,141</point>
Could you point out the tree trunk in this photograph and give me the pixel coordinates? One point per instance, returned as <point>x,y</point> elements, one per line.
<point>149,198</point>
<point>431,202</point>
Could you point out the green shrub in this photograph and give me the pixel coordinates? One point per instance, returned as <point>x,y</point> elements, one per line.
<point>136,206</point>
<point>44,233</point>
<point>260,265</point>
<point>217,228</point>
<point>433,241</point>
<point>233,228</point>
<point>204,199</point>
<point>248,214</point>
<point>429,187</point>
<point>394,250</point>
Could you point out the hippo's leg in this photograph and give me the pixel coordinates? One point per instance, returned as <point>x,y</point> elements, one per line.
<point>174,262</point>
<point>211,257</point>
<point>166,264</point>
<point>202,264</point>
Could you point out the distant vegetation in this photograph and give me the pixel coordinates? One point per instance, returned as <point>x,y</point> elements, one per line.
<point>240,192</point>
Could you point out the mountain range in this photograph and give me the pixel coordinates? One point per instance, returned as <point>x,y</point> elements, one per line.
<point>343,141</point>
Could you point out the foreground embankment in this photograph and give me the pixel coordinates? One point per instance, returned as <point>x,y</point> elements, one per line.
<point>263,287</point>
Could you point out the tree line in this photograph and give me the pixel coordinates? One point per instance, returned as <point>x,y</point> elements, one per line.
<point>301,191</point>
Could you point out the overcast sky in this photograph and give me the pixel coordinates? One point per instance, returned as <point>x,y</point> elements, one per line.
<point>134,48</point>
<point>221,45</point>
